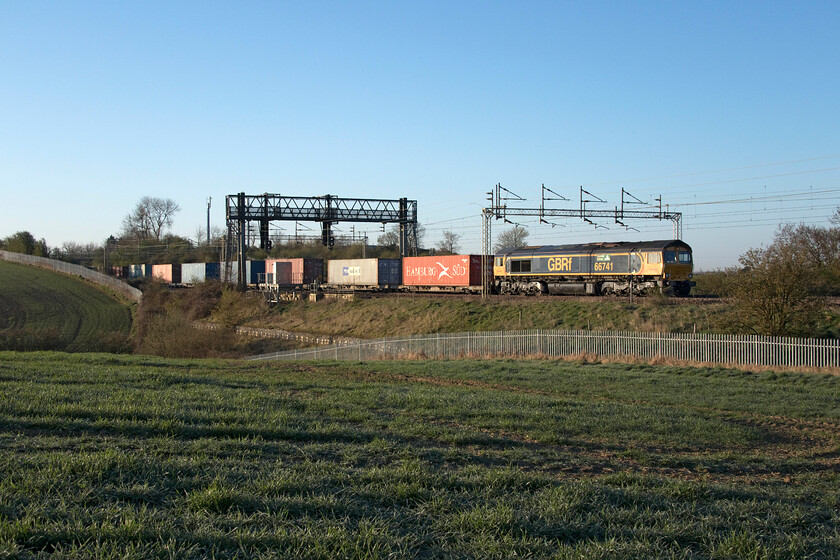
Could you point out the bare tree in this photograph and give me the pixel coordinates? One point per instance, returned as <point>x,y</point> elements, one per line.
<point>820,247</point>
<point>216,233</point>
<point>449,244</point>
<point>774,291</point>
<point>513,238</point>
<point>150,217</point>
<point>389,239</point>
<point>80,253</point>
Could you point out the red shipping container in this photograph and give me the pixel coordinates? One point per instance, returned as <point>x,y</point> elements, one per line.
<point>445,270</point>
<point>167,272</point>
<point>303,271</point>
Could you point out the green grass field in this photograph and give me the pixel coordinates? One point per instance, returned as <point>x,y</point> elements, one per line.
<point>138,457</point>
<point>35,299</point>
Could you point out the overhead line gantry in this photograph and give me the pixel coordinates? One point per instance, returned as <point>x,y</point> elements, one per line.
<point>327,209</point>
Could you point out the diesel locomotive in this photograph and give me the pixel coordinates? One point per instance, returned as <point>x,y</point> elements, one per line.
<point>595,268</point>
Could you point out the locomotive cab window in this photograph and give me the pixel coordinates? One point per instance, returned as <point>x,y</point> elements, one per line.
<point>654,258</point>
<point>500,261</point>
<point>670,256</point>
<point>520,266</point>
<point>685,257</point>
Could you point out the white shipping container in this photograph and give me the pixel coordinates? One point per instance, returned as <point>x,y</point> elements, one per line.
<point>193,273</point>
<point>353,272</point>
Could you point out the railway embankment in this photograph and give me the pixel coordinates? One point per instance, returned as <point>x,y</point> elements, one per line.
<point>380,317</point>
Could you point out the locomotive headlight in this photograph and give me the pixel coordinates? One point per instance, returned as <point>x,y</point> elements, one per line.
<point>691,276</point>
<point>667,275</point>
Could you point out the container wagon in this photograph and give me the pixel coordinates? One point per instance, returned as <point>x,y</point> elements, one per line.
<point>449,273</point>
<point>140,271</point>
<point>294,272</point>
<point>364,274</point>
<point>169,273</point>
<point>195,273</point>
<point>253,270</point>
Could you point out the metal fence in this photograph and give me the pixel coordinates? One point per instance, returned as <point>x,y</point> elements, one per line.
<point>75,270</point>
<point>688,347</point>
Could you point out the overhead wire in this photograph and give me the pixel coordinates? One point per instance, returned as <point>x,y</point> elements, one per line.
<point>709,172</point>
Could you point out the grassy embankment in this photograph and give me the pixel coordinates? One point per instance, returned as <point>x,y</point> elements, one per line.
<point>42,309</point>
<point>137,457</point>
<point>381,317</point>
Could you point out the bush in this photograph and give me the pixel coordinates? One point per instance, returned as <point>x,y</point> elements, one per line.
<point>173,335</point>
<point>156,296</point>
<point>714,283</point>
<point>28,340</point>
<point>236,308</point>
<point>199,301</point>
<point>774,293</point>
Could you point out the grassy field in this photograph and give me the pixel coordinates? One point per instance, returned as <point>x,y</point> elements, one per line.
<point>138,457</point>
<point>34,299</point>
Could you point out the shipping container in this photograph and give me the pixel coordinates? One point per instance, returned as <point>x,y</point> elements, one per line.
<point>229,271</point>
<point>118,271</point>
<point>445,270</point>
<point>140,271</point>
<point>195,273</point>
<point>170,273</point>
<point>293,272</point>
<point>364,272</point>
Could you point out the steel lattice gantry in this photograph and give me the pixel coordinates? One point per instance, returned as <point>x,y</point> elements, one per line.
<point>327,210</point>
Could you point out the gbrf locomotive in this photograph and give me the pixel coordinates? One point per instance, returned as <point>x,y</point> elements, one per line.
<point>595,268</point>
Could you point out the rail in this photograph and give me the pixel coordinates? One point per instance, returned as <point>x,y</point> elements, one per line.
<point>75,270</point>
<point>687,347</point>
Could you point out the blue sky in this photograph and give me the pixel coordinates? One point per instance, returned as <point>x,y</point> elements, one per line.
<point>703,103</point>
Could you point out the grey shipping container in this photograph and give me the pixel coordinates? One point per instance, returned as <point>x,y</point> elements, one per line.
<point>364,272</point>
<point>252,271</point>
<point>194,273</point>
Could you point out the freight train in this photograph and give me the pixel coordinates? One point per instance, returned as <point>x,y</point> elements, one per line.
<point>592,268</point>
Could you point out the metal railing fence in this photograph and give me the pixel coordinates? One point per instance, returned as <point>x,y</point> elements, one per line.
<point>687,347</point>
<point>73,269</point>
